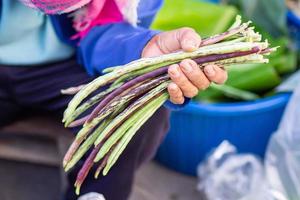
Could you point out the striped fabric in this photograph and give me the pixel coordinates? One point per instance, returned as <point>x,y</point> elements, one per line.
<point>56,6</point>
<point>88,13</point>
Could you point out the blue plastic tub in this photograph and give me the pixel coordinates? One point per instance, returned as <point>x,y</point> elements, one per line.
<point>199,128</point>
<point>293,22</point>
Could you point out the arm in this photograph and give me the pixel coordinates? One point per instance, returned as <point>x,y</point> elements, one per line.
<point>120,43</point>
<point>112,45</point>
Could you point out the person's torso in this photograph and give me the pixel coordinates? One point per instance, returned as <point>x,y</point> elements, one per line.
<point>27,37</point>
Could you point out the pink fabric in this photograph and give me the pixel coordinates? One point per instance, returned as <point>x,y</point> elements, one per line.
<point>97,14</point>
<point>88,13</point>
<point>56,6</point>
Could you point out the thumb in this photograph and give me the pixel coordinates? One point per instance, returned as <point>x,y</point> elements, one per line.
<point>181,39</point>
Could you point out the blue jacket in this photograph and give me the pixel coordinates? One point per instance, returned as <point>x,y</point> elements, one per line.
<point>112,44</point>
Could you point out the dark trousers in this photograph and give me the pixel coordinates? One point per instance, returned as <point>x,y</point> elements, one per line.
<point>26,88</point>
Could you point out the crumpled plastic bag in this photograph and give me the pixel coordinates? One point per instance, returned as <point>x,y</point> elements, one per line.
<point>283,154</point>
<point>226,175</point>
<point>289,84</point>
<point>92,196</point>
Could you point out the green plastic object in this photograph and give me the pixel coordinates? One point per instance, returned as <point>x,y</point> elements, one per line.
<point>206,18</point>
<point>249,77</point>
<point>234,93</point>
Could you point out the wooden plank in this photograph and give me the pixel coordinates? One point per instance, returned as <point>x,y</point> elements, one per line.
<point>23,181</point>
<point>46,129</point>
<point>29,149</point>
<point>41,125</point>
<point>156,182</point>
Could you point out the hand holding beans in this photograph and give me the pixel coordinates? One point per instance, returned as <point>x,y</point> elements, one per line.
<point>187,78</point>
<point>135,91</point>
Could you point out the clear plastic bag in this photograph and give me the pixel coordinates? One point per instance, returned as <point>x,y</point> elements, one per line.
<point>226,175</point>
<point>92,196</point>
<point>282,164</point>
<point>289,84</point>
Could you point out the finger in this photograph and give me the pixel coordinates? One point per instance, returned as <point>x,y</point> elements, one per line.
<point>193,72</point>
<point>176,95</point>
<point>178,77</point>
<point>189,39</point>
<point>215,74</point>
<point>184,38</point>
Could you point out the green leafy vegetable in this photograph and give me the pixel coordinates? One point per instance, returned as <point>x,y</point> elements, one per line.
<point>269,14</point>
<point>248,77</point>
<point>206,18</point>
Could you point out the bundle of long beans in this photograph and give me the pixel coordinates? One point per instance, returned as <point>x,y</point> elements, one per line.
<point>136,90</point>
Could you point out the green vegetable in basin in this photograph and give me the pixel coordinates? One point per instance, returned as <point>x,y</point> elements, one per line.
<point>284,60</point>
<point>234,93</point>
<point>206,18</point>
<point>251,77</point>
<point>269,14</point>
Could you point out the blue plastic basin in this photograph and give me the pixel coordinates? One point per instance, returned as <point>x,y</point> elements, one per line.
<point>199,128</point>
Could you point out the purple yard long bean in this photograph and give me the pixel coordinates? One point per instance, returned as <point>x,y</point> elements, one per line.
<point>92,101</point>
<point>146,62</point>
<point>199,60</point>
<point>136,90</point>
<point>78,149</point>
<point>113,99</point>
<point>70,158</point>
<point>87,165</point>
<point>124,87</point>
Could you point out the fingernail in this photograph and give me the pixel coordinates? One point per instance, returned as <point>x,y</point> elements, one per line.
<point>209,71</point>
<point>187,67</point>
<point>191,43</point>
<point>172,87</point>
<point>174,71</point>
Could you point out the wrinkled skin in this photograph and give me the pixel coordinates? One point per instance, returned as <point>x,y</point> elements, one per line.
<point>187,78</point>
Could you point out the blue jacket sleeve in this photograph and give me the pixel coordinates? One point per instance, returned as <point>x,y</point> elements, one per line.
<point>112,45</point>
<point>118,43</point>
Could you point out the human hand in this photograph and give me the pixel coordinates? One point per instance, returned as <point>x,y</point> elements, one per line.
<point>187,78</point>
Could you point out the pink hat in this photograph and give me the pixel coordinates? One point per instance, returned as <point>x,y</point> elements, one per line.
<point>88,13</point>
